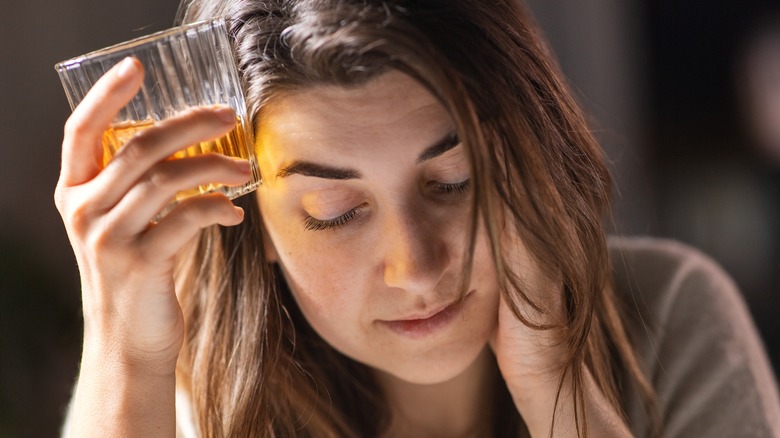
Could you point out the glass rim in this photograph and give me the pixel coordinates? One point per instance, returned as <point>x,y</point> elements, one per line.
<point>135,42</point>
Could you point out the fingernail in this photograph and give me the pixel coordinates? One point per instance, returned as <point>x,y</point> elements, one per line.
<point>226,115</point>
<point>239,212</point>
<point>127,67</point>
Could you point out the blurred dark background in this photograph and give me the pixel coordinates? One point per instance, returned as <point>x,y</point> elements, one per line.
<point>682,93</point>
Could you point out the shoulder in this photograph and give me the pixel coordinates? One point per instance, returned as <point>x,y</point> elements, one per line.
<point>663,274</point>
<point>696,339</point>
<point>660,259</point>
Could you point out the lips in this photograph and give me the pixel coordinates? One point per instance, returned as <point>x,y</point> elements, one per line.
<point>417,327</point>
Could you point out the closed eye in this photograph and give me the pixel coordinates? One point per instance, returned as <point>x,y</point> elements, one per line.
<point>313,224</point>
<point>453,188</point>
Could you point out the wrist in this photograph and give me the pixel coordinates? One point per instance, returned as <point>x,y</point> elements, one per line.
<point>131,346</point>
<point>123,362</point>
<point>110,355</point>
<point>535,399</point>
<point>117,397</point>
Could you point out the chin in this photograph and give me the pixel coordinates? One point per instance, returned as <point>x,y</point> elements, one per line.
<point>434,368</point>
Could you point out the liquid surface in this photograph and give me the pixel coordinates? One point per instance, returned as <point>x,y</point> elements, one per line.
<point>233,144</point>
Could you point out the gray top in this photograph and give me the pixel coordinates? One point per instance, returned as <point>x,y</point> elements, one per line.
<point>696,338</point>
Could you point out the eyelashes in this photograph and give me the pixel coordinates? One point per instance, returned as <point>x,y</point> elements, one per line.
<point>442,189</point>
<point>448,189</point>
<point>313,224</point>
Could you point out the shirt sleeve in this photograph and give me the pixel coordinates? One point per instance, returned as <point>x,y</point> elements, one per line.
<point>705,357</point>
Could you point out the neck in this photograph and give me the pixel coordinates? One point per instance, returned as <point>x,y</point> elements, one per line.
<point>459,407</point>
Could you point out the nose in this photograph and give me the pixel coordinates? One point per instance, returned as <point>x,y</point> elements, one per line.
<point>416,253</point>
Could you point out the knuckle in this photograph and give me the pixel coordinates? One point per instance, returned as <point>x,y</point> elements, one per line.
<point>136,148</point>
<point>158,178</point>
<point>204,211</point>
<point>79,217</point>
<point>77,207</point>
<point>74,127</point>
<point>60,198</point>
<point>76,216</point>
<point>192,214</point>
<point>98,240</point>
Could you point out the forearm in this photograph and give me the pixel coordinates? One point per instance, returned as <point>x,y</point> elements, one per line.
<point>116,398</point>
<point>133,324</point>
<point>535,403</point>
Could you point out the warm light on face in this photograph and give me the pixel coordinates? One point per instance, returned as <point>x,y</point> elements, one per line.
<point>366,198</point>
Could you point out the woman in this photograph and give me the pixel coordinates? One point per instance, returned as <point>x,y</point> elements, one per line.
<point>425,256</point>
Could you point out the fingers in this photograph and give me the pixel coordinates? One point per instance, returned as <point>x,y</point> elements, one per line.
<point>161,183</point>
<point>141,179</point>
<point>156,144</point>
<point>81,147</point>
<point>162,241</point>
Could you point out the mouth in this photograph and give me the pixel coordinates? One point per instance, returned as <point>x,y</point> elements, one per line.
<point>418,327</point>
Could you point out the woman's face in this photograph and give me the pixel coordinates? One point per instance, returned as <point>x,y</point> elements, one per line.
<point>366,198</point>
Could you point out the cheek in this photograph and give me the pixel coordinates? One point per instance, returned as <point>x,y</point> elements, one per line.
<point>331,303</point>
<point>326,281</point>
<point>319,280</point>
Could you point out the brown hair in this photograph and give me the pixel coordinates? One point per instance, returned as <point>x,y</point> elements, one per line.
<point>251,362</point>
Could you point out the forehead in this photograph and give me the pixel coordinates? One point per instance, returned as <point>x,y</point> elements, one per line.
<point>391,108</point>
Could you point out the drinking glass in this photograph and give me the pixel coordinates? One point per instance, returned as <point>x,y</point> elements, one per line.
<point>185,67</point>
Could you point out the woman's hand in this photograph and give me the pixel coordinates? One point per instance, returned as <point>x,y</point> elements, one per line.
<point>530,362</point>
<point>133,327</point>
<point>530,359</point>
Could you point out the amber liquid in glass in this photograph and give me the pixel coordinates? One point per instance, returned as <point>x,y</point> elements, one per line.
<point>232,144</point>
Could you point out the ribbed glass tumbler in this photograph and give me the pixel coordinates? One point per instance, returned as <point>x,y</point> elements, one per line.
<point>185,67</point>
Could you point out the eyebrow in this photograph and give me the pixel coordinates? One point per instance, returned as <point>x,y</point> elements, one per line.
<point>316,170</point>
